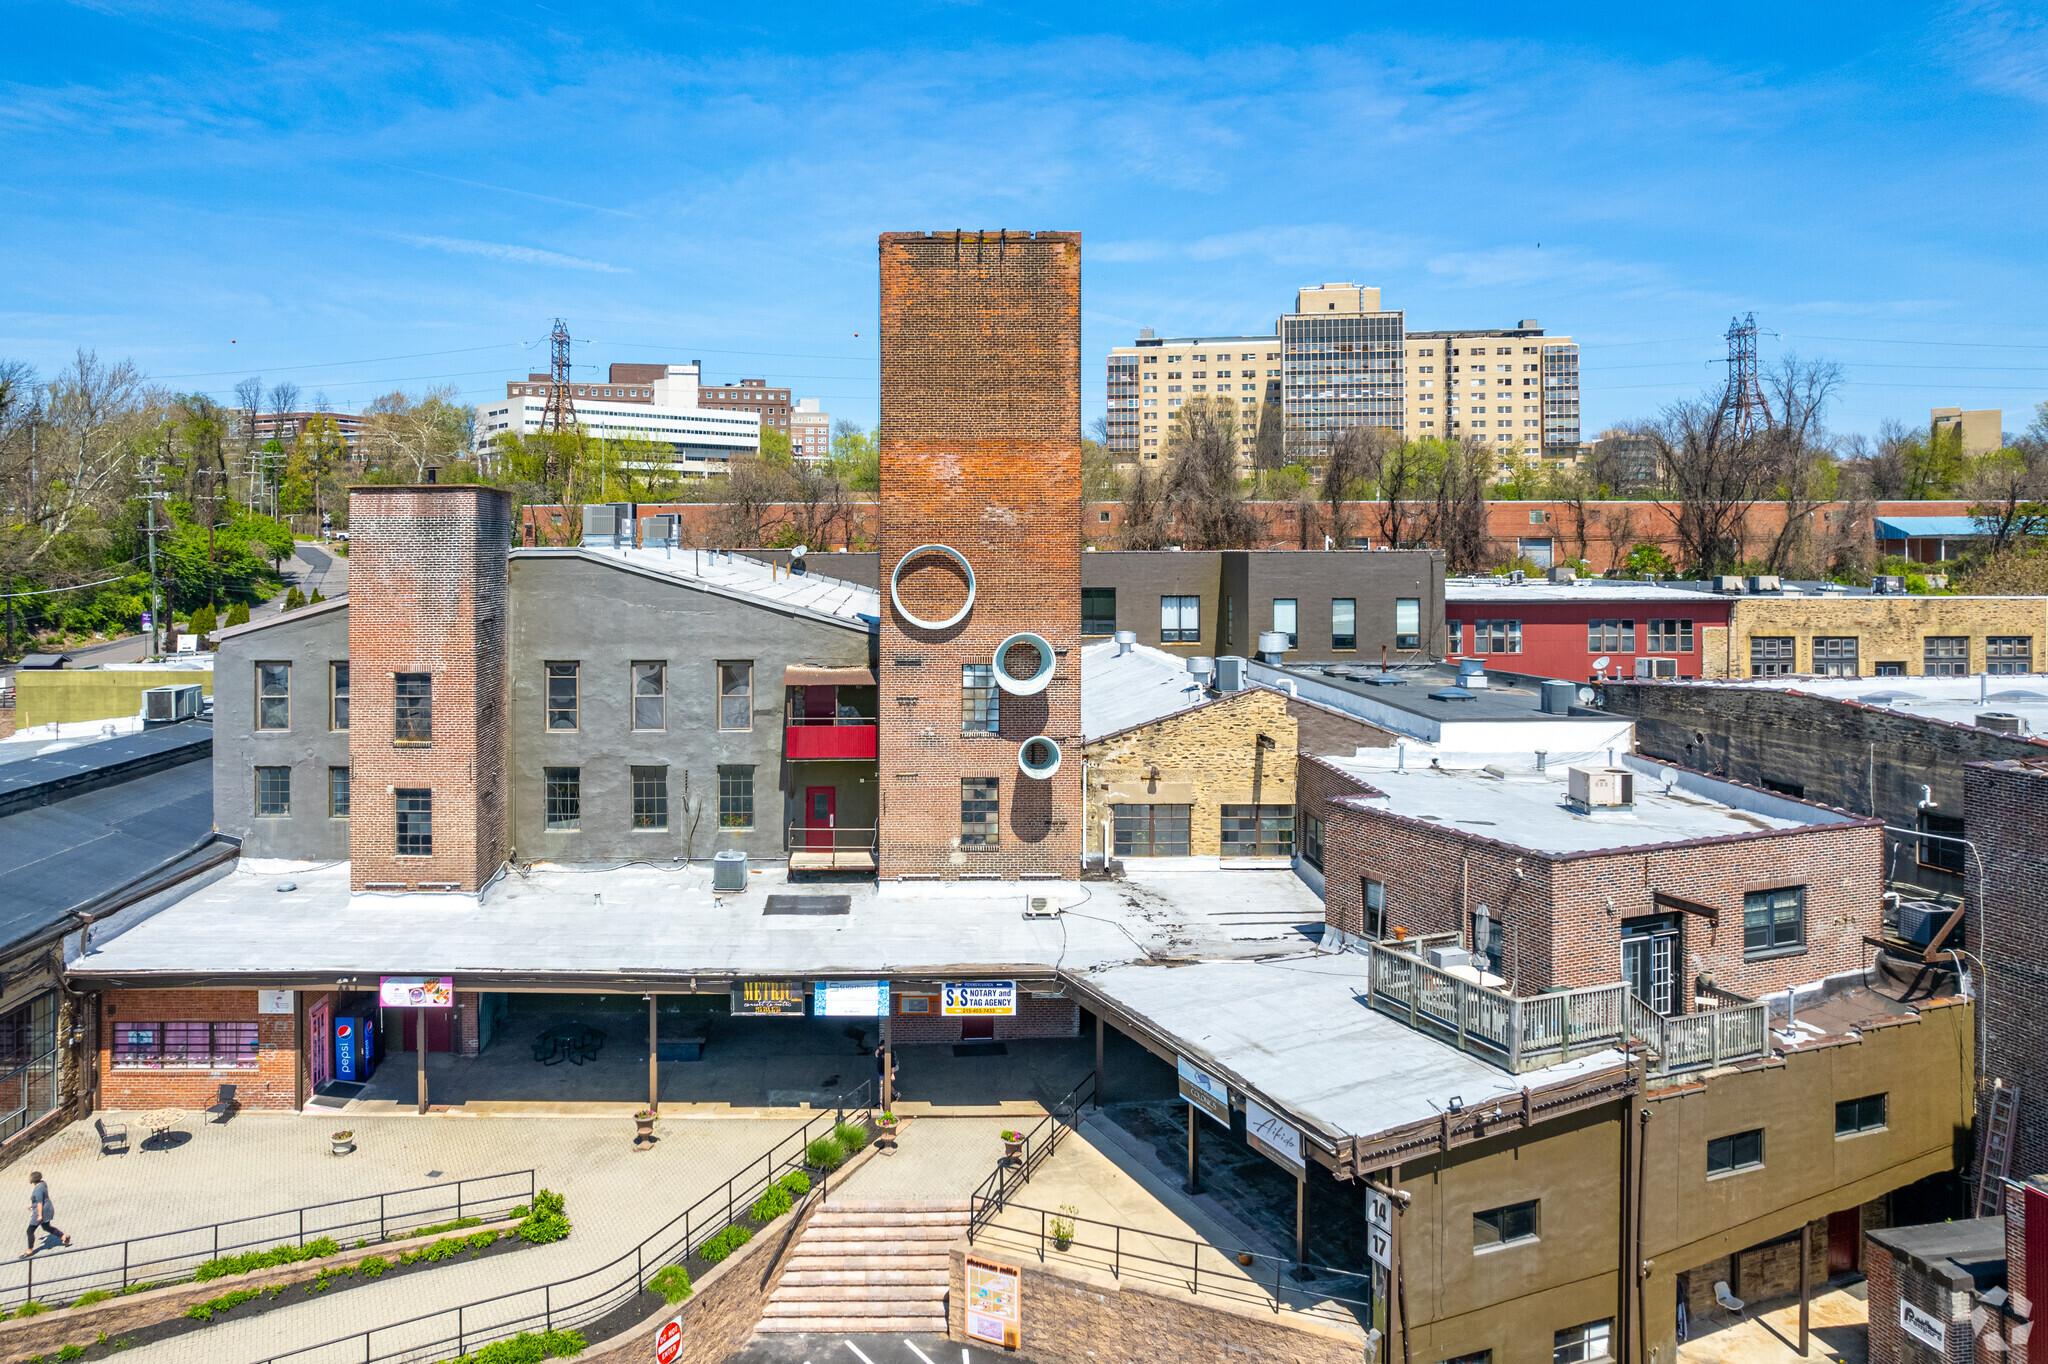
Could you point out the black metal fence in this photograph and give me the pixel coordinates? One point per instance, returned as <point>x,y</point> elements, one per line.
<point>589,1297</point>
<point>59,1277</point>
<point>1038,1145</point>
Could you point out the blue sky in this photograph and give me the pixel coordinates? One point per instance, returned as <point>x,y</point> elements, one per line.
<point>372,196</point>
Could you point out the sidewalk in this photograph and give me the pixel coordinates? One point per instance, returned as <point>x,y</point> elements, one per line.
<point>1768,1333</point>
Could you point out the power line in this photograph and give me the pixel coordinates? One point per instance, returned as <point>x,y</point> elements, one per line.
<point>338,364</point>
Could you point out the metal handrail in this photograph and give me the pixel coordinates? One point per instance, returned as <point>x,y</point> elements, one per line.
<point>119,1265</point>
<point>508,1314</point>
<point>793,832</point>
<point>794,721</point>
<point>1186,1273</point>
<point>995,1190</point>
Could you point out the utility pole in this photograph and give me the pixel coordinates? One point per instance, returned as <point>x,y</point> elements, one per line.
<point>156,606</point>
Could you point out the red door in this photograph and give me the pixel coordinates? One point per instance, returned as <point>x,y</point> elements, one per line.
<point>821,803</point>
<point>440,1028</point>
<point>1845,1241</point>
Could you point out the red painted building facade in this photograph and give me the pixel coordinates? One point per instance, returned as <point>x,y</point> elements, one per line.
<point>1565,629</point>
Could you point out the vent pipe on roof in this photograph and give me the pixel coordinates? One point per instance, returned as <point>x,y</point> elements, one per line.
<point>1125,639</point>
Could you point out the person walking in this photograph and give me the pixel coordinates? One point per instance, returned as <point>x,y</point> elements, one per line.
<point>41,1213</point>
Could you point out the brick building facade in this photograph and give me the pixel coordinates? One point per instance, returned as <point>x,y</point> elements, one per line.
<point>138,1071</point>
<point>981,453</point>
<point>1237,750</point>
<point>1562,915</point>
<point>2002,805</point>
<point>428,612</point>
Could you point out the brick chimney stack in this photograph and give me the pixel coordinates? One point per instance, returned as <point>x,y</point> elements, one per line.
<point>427,630</point>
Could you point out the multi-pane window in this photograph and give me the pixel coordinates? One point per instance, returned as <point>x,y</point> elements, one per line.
<point>415,806</point>
<point>1287,620</point>
<point>1772,655</point>
<point>1860,1115</point>
<point>1408,624</point>
<point>650,695</point>
<point>1738,1151</point>
<point>1151,830</point>
<point>210,1046</point>
<point>1773,920</point>
<point>1947,656</point>
<point>1344,623</point>
<point>735,694</point>
<point>1834,655</point>
<point>274,792</point>
<point>413,703</point>
<point>1180,620</point>
<point>337,792</point>
<point>1311,839</point>
<point>735,796</point>
<point>337,696</point>
<point>978,812</point>
<point>564,795</point>
<point>1258,831</point>
<point>273,696</point>
<point>650,797</point>
<point>1946,852</point>
<point>980,699</point>
<point>562,695</point>
<point>1669,637</point>
<point>1454,637</point>
<point>1610,636</point>
<point>1582,1344</point>
<point>1504,1226</point>
<point>1496,636</point>
<point>1375,909</point>
<point>1098,610</point>
<point>2009,654</point>
<point>28,1061</point>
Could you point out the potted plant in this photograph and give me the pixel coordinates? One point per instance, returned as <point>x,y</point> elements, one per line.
<point>341,1143</point>
<point>1244,1257</point>
<point>1063,1226</point>
<point>643,1128</point>
<point>1013,1145</point>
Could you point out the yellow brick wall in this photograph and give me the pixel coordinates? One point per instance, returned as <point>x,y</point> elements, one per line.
<point>70,694</point>
<point>1889,629</point>
<point>1206,758</point>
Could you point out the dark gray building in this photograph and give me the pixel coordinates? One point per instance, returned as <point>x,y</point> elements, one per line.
<point>661,705</point>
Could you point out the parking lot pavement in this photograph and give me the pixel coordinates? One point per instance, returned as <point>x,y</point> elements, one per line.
<point>871,1349</point>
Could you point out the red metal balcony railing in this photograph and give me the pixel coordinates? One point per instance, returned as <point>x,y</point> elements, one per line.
<point>821,738</point>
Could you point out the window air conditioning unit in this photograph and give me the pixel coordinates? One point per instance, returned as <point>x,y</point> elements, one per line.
<point>168,705</point>
<point>1040,907</point>
<point>1657,667</point>
<point>1600,788</point>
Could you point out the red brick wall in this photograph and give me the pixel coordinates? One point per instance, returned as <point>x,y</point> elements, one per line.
<point>272,1084</point>
<point>1887,1339</point>
<point>1561,929</point>
<point>427,570</point>
<point>981,451</point>
<point>1034,1018</point>
<point>2002,814</point>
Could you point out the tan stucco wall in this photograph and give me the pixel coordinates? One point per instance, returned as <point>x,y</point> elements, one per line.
<point>1207,758</point>
<point>64,695</point>
<point>1889,629</point>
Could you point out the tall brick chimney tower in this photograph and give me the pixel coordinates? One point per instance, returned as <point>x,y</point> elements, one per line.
<point>426,641</point>
<point>981,554</point>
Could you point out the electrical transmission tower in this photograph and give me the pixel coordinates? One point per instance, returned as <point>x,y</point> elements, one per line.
<point>1743,405</point>
<point>561,410</point>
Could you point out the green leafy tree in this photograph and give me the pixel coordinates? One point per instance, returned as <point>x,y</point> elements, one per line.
<point>857,456</point>
<point>1645,558</point>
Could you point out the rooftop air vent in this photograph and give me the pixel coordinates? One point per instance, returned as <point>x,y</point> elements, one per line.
<point>1472,675</point>
<point>1202,667</point>
<point>1125,641</point>
<point>1600,788</point>
<point>1452,694</point>
<point>1272,645</point>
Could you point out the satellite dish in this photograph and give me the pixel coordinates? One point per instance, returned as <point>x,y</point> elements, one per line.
<point>1585,696</point>
<point>1600,664</point>
<point>799,551</point>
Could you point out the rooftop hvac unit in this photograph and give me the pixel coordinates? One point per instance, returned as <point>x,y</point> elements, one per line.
<point>1230,673</point>
<point>168,705</point>
<point>1443,958</point>
<point>1887,585</point>
<point>1726,583</point>
<point>2001,721</point>
<point>600,525</point>
<point>1563,573</point>
<point>1600,788</point>
<point>1765,583</point>
<point>1557,697</point>
<point>1920,920</point>
<point>729,870</point>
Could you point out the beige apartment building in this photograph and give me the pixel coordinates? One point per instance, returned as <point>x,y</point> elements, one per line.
<point>1342,359</point>
<point>810,431</point>
<point>1983,428</point>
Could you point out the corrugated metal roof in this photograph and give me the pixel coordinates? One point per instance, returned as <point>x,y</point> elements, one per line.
<point>1918,527</point>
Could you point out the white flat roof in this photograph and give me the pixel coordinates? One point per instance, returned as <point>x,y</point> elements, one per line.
<point>1539,590</point>
<point>738,575</point>
<point>1122,690</point>
<point>1958,700</point>
<point>1527,809</point>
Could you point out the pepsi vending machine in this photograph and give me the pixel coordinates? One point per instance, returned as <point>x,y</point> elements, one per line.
<point>355,1047</point>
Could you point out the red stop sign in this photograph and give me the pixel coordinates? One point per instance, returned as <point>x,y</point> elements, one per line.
<point>669,1343</point>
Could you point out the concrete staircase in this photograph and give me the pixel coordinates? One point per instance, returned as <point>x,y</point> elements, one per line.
<point>868,1267</point>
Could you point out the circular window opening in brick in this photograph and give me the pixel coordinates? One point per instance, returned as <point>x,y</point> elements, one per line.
<point>1024,664</point>
<point>933,587</point>
<point>1038,757</point>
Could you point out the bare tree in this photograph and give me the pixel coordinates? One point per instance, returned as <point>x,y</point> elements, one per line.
<point>1798,454</point>
<point>1455,519</point>
<point>1715,475</point>
<point>1392,470</point>
<point>1269,449</point>
<point>1144,525</point>
<point>1204,502</point>
<point>2008,494</point>
<point>1355,455</point>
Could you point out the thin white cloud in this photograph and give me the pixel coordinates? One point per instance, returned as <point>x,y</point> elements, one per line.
<point>2004,49</point>
<point>518,255</point>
